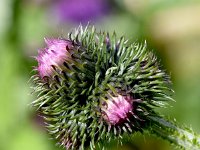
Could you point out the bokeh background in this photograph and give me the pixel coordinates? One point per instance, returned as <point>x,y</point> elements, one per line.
<point>172,31</point>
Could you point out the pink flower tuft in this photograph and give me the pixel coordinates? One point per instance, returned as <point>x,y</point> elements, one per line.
<point>54,54</point>
<point>117,109</point>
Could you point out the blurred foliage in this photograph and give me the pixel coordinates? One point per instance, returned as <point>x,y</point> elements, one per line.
<point>171,28</point>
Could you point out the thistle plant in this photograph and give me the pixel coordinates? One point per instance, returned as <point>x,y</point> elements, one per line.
<point>92,87</point>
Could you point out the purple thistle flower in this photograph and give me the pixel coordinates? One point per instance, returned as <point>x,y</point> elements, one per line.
<point>80,11</point>
<point>118,109</point>
<point>53,55</point>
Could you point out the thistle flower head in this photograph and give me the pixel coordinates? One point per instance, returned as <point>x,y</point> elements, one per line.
<point>101,87</point>
<point>117,109</point>
<point>54,54</point>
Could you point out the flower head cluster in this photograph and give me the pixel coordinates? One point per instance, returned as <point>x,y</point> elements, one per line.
<point>99,87</point>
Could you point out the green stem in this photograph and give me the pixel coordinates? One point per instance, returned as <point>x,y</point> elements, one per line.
<point>180,136</point>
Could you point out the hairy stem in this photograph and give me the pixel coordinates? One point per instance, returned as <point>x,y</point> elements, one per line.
<point>180,136</point>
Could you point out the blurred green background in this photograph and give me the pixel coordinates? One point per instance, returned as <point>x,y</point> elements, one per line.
<point>171,28</point>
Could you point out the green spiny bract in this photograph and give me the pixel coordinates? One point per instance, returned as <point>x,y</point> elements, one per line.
<point>77,95</point>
